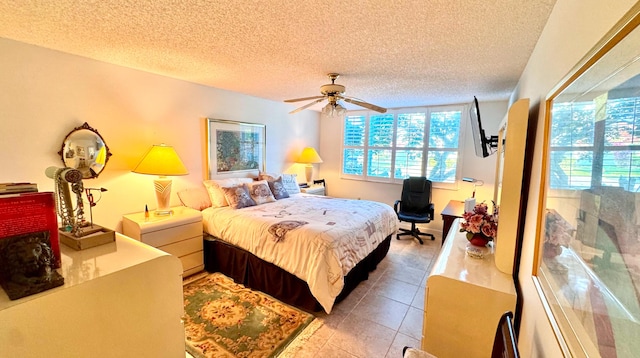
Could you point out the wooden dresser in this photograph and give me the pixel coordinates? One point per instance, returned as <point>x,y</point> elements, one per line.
<point>464,300</point>
<point>121,299</point>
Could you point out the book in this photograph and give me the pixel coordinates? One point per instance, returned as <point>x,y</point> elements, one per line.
<point>15,188</point>
<point>27,213</point>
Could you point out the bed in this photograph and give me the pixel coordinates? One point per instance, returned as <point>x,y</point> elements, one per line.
<point>306,250</point>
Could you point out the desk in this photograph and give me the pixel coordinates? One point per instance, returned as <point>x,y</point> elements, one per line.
<point>452,211</point>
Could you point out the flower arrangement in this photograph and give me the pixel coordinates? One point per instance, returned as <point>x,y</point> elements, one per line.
<point>481,227</point>
<point>558,231</point>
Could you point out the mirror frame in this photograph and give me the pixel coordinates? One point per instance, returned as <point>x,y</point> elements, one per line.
<point>565,323</point>
<point>64,150</point>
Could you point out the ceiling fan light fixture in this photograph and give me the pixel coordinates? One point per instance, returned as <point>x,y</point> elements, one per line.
<point>334,110</point>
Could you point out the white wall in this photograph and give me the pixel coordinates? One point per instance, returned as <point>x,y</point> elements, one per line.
<point>574,27</point>
<point>480,168</point>
<point>45,94</point>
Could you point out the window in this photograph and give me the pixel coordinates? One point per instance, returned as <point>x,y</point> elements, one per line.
<point>393,146</point>
<point>596,143</point>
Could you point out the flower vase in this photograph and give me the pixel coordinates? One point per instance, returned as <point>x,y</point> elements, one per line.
<point>477,246</point>
<point>478,240</point>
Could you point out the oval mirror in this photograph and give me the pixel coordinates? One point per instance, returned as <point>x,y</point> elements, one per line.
<point>84,149</point>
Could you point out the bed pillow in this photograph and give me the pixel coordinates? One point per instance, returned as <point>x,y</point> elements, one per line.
<point>289,181</point>
<point>195,198</point>
<point>260,192</point>
<point>278,190</point>
<point>238,196</point>
<point>216,195</point>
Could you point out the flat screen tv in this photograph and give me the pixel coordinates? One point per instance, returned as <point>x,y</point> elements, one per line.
<point>484,145</point>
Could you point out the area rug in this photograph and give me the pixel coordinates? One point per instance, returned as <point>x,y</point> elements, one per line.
<point>225,319</point>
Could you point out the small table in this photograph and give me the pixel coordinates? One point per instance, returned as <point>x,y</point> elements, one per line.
<point>452,211</point>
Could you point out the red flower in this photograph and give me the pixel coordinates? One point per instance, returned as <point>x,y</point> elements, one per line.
<point>479,221</point>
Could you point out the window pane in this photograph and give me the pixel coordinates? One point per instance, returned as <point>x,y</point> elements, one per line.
<point>408,163</point>
<point>573,124</point>
<point>411,130</point>
<point>353,161</point>
<point>444,129</point>
<point>622,126</point>
<point>570,169</point>
<point>379,163</point>
<point>621,168</point>
<point>381,130</point>
<point>441,166</point>
<point>354,130</point>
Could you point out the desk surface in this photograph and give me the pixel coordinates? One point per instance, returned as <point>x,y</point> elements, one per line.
<point>454,208</point>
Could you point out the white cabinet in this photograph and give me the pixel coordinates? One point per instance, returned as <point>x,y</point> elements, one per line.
<point>121,299</point>
<point>179,234</point>
<point>464,300</point>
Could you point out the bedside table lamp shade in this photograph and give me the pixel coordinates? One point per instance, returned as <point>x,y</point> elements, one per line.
<point>309,156</point>
<point>162,160</point>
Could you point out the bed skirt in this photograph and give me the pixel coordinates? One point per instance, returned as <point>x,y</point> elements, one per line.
<point>246,268</point>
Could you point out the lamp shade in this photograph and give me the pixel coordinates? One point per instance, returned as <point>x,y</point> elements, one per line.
<point>161,160</point>
<point>309,156</point>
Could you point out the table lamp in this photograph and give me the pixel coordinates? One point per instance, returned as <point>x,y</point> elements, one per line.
<point>309,157</point>
<point>162,160</point>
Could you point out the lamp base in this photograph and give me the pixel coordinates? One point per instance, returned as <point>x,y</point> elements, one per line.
<point>308,171</point>
<point>163,196</point>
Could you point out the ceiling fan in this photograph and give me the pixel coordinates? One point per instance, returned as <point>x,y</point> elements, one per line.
<point>333,93</point>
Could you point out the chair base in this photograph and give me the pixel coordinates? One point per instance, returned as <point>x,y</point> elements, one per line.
<point>415,232</point>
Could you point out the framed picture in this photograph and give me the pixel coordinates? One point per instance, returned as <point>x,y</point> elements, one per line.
<point>588,249</point>
<point>234,147</point>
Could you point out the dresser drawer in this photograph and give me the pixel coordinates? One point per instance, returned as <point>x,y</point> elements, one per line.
<point>193,261</point>
<point>171,235</point>
<point>184,247</point>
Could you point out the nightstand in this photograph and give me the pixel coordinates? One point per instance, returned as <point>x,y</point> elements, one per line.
<point>314,189</point>
<point>179,234</point>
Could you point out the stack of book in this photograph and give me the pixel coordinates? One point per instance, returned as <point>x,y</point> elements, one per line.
<point>17,188</point>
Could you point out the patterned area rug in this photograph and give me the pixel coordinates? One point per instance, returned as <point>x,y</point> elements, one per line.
<point>225,319</point>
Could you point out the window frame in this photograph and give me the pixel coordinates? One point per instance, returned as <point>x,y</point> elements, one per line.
<point>428,111</point>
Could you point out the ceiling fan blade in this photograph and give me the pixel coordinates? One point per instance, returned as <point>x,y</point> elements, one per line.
<point>303,99</point>
<point>307,105</point>
<point>372,107</point>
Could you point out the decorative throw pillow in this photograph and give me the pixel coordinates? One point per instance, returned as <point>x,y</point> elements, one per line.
<point>268,176</point>
<point>216,194</point>
<point>195,198</point>
<point>290,183</point>
<point>260,192</point>
<point>238,196</point>
<point>278,190</point>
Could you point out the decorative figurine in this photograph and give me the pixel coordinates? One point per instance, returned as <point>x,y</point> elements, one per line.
<point>27,265</point>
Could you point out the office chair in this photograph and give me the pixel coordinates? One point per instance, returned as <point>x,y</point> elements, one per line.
<point>504,343</point>
<point>415,206</point>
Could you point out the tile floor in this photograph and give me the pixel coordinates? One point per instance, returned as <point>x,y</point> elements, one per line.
<point>383,314</point>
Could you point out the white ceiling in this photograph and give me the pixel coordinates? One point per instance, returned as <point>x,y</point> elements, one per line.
<point>390,53</point>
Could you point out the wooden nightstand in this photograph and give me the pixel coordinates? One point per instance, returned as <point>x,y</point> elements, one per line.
<point>314,189</point>
<point>179,234</point>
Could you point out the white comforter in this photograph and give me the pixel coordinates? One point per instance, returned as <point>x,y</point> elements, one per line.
<point>319,239</point>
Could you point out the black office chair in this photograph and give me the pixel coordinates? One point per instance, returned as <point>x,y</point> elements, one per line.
<point>504,344</point>
<point>415,206</point>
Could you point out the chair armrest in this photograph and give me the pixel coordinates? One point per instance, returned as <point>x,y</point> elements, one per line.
<point>431,211</point>
<point>395,205</point>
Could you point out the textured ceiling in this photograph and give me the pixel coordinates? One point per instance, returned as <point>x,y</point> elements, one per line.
<point>390,53</point>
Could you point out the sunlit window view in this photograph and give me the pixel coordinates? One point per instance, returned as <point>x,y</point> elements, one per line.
<point>395,146</point>
<point>590,252</point>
